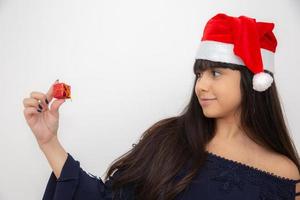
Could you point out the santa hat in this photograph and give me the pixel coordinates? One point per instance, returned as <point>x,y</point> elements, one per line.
<point>241,40</point>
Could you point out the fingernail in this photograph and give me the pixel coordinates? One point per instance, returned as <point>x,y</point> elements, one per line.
<point>46,100</point>
<point>40,107</point>
<point>39,110</point>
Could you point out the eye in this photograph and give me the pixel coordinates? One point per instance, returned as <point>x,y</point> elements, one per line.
<point>215,72</point>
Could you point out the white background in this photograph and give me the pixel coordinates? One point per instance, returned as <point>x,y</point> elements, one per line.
<point>129,64</point>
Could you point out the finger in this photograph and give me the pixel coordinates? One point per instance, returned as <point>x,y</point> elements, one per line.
<point>30,102</point>
<point>41,99</point>
<point>56,105</point>
<point>29,112</point>
<point>49,94</point>
<point>33,103</point>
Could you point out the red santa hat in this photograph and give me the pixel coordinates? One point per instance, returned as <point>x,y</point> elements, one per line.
<point>241,40</point>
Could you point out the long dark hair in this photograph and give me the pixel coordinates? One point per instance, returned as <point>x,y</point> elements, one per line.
<point>153,165</point>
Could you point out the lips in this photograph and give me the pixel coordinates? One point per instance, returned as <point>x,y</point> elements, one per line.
<point>206,101</point>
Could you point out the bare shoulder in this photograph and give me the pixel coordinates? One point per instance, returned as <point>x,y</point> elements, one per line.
<point>279,164</point>
<point>286,167</point>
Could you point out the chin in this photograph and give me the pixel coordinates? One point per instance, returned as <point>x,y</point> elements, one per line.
<point>211,114</point>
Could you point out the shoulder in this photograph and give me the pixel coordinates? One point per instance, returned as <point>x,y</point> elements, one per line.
<point>286,167</point>
<point>289,170</point>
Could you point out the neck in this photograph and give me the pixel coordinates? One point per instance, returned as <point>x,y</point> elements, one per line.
<point>228,128</point>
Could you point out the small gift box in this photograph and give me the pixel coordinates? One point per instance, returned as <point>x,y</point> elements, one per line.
<point>61,91</point>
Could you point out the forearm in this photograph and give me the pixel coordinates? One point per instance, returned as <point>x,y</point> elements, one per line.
<point>55,154</point>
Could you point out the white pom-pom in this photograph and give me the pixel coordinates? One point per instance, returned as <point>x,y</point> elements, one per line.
<point>262,81</point>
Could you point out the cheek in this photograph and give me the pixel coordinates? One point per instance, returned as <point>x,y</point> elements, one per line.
<point>230,102</point>
<point>229,97</point>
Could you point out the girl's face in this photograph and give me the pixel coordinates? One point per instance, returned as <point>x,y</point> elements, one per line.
<point>222,87</point>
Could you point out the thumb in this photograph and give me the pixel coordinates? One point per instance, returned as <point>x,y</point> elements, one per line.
<point>56,104</point>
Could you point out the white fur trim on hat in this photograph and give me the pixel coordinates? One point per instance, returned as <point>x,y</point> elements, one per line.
<point>223,52</point>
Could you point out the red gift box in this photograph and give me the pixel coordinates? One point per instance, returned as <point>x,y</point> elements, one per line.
<point>61,91</point>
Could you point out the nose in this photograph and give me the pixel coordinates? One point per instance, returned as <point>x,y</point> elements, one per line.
<point>204,82</point>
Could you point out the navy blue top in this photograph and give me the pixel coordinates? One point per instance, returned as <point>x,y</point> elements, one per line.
<point>219,178</point>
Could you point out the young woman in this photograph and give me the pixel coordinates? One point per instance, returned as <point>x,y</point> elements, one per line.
<point>230,142</point>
